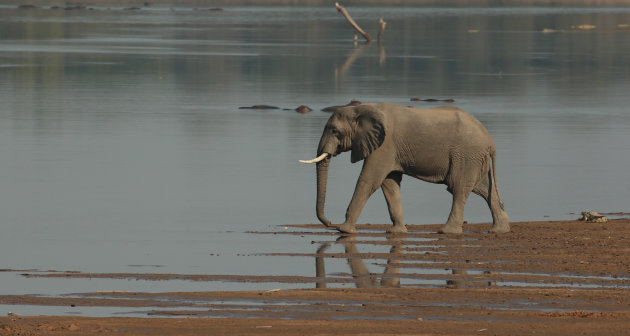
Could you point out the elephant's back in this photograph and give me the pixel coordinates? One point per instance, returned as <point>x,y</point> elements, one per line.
<point>447,117</point>
<point>448,125</point>
<point>444,123</point>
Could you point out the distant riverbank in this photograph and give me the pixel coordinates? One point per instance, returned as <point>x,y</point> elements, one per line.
<point>427,3</point>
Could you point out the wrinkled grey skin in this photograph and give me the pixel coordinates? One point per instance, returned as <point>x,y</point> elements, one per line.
<point>440,145</point>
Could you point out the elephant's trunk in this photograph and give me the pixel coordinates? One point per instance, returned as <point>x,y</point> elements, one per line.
<point>322,179</point>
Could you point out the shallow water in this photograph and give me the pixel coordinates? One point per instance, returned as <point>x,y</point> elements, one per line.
<point>122,144</point>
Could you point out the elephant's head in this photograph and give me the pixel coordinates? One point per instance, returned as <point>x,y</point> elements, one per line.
<point>357,128</point>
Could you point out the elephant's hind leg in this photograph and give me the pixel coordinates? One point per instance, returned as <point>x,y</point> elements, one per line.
<point>482,189</point>
<point>461,182</point>
<point>500,219</point>
<point>391,191</point>
<point>456,217</point>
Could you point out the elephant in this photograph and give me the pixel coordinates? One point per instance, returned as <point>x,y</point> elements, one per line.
<point>443,145</point>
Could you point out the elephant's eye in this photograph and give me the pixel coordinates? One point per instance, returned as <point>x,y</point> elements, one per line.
<point>334,131</point>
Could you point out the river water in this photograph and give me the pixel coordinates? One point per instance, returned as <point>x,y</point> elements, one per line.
<point>123,148</point>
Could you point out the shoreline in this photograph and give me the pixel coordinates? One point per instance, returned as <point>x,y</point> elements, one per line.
<point>328,3</point>
<point>551,277</point>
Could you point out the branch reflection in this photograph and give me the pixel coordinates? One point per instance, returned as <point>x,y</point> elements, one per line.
<point>340,72</point>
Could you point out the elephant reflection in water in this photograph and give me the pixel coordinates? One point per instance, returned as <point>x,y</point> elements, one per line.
<point>360,273</point>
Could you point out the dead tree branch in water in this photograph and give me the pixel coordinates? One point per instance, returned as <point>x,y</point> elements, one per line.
<point>381,24</point>
<point>343,11</point>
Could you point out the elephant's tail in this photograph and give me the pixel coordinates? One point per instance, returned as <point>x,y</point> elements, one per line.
<point>494,189</point>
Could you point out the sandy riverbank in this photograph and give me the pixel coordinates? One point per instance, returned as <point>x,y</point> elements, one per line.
<point>552,278</point>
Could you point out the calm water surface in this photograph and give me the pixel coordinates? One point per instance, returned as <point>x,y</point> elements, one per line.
<point>122,145</point>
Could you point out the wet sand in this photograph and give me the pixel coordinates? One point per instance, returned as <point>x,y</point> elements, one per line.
<point>551,278</point>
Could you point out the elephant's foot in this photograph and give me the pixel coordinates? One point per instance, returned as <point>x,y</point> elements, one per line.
<point>401,228</point>
<point>451,228</point>
<point>501,224</point>
<point>500,228</point>
<point>347,228</point>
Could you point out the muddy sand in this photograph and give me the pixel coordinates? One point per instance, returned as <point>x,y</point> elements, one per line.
<point>549,278</point>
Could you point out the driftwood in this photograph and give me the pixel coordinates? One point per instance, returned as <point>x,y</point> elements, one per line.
<point>432,100</point>
<point>382,25</point>
<point>620,213</point>
<point>381,49</point>
<point>214,9</point>
<point>343,11</point>
<point>300,109</point>
<point>259,107</point>
<point>593,216</point>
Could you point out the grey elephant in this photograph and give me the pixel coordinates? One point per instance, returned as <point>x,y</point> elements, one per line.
<point>440,145</point>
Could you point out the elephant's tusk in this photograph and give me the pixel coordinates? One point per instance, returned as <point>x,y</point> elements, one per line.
<point>315,160</point>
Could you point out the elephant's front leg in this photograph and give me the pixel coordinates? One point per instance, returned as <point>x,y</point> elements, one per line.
<point>391,191</point>
<point>370,179</point>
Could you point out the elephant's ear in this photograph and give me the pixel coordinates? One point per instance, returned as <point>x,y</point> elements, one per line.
<point>370,132</point>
